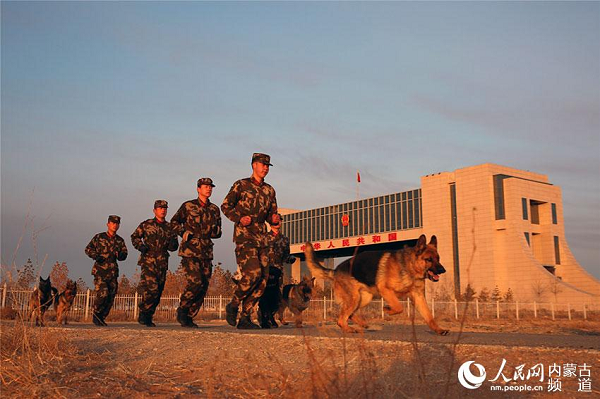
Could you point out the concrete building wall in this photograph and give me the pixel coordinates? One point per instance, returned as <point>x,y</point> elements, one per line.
<point>495,252</point>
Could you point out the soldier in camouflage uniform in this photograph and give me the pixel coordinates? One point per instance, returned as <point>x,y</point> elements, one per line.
<point>279,253</point>
<point>105,249</point>
<point>249,204</point>
<point>197,221</point>
<point>153,238</point>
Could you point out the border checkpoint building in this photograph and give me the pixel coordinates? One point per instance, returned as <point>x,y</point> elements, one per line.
<point>496,226</point>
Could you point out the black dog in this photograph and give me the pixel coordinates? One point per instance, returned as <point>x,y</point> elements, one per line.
<point>41,299</point>
<point>270,300</point>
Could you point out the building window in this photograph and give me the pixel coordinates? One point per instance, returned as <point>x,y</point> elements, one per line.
<point>527,238</point>
<point>404,215</point>
<point>499,196</point>
<point>556,250</point>
<point>535,212</point>
<point>525,206</point>
<point>417,212</point>
<point>554,217</point>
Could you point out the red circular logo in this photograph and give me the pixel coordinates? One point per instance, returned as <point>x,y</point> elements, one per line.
<point>345,220</point>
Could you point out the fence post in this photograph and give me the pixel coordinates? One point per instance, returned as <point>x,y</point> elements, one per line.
<point>534,310</point>
<point>220,307</point>
<point>135,307</point>
<point>324,307</point>
<point>569,310</point>
<point>552,307</point>
<point>4,296</point>
<point>517,309</point>
<point>408,306</point>
<point>432,306</point>
<point>584,314</point>
<point>455,309</point>
<point>382,313</point>
<point>497,309</point>
<point>87,304</point>
<point>477,306</point>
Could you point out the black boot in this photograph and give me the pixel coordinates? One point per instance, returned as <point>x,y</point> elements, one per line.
<point>148,321</point>
<point>97,320</point>
<point>246,323</point>
<point>191,324</point>
<point>142,318</point>
<point>182,316</point>
<point>272,321</point>
<point>231,314</point>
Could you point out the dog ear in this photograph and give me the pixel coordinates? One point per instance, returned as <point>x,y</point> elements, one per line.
<point>421,244</point>
<point>433,241</point>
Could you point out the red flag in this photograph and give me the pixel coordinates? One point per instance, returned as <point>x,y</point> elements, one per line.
<point>358,176</point>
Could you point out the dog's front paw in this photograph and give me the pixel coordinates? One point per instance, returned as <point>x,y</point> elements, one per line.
<point>443,332</point>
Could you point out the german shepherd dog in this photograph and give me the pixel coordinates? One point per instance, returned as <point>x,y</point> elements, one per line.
<point>391,274</point>
<point>64,301</point>
<point>41,299</point>
<point>296,298</point>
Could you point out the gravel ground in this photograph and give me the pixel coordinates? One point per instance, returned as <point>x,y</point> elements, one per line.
<point>127,360</point>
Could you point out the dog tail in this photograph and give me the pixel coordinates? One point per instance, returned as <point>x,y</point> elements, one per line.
<point>316,268</point>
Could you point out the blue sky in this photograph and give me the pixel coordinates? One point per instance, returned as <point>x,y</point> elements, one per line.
<point>107,106</point>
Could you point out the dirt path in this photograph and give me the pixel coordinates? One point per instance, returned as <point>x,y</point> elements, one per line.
<point>127,360</point>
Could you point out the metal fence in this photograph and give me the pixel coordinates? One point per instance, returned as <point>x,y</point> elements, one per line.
<point>125,308</point>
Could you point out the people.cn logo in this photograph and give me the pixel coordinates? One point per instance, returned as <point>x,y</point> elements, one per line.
<point>468,379</point>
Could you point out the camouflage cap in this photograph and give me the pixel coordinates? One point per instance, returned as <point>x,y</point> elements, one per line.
<point>205,180</point>
<point>262,158</point>
<point>161,204</point>
<point>114,219</point>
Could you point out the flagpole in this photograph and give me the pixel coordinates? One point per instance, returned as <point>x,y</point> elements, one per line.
<point>357,185</point>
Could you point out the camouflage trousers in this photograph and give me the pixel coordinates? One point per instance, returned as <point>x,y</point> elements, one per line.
<point>253,264</point>
<point>197,272</point>
<point>105,291</point>
<point>152,283</point>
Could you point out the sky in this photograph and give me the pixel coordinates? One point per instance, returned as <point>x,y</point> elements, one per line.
<point>107,106</point>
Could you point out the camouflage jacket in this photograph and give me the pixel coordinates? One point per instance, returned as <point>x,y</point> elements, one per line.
<point>279,250</point>
<point>106,250</point>
<point>247,198</point>
<point>156,239</point>
<point>203,222</point>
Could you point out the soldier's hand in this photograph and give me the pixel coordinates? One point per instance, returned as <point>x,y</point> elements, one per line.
<point>276,219</point>
<point>245,220</point>
<point>143,249</point>
<point>100,259</point>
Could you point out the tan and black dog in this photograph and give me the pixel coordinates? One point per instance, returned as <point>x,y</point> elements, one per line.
<point>41,299</point>
<point>64,301</point>
<point>296,298</point>
<point>391,274</point>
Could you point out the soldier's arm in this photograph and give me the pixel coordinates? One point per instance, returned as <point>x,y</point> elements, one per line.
<point>216,230</point>
<point>173,242</point>
<point>178,220</point>
<point>272,206</point>
<point>122,252</point>
<point>286,250</point>
<point>137,238</point>
<point>91,250</point>
<point>229,205</point>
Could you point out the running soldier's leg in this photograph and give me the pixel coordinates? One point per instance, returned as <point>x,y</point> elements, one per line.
<point>252,276</point>
<point>161,279</point>
<point>101,295</point>
<point>206,273</point>
<point>147,288</point>
<point>193,275</point>
<point>112,285</point>
<point>261,283</point>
